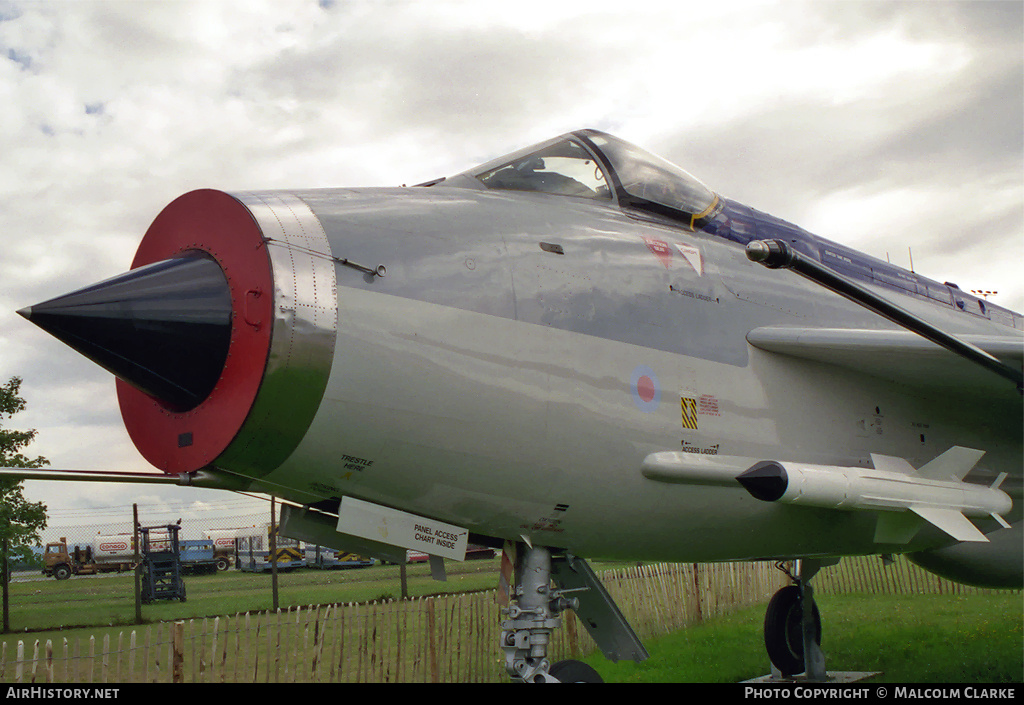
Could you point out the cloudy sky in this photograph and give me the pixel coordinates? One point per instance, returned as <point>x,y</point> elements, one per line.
<point>893,127</point>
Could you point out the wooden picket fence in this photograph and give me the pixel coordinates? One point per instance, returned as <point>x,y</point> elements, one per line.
<point>446,638</point>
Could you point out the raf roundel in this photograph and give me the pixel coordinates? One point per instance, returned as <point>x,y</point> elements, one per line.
<point>645,388</point>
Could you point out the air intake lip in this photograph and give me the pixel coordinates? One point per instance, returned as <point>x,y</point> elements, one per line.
<point>164,328</point>
<point>221,337</point>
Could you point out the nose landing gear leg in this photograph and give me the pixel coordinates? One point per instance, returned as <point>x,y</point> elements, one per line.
<point>532,617</point>
<point>542,587</point>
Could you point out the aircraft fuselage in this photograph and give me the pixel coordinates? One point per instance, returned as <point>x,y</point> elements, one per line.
<point>495,383</point>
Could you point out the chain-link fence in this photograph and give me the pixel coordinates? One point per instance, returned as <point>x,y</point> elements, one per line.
<point>198,559</point>
<point>86,542</point>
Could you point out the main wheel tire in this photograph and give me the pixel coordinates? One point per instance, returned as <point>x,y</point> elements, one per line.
<point>574,672</point>
<point>783,630</point>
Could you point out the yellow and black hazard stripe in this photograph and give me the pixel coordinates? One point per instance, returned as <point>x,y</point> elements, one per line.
<point>344,556</point>
<point>288,554</point>
<point>689,407</point>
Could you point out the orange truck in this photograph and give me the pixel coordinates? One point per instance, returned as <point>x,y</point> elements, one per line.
<point>106,554</point>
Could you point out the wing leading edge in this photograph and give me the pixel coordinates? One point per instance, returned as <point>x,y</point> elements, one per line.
<point>777,254</point>
<point>897,355</point>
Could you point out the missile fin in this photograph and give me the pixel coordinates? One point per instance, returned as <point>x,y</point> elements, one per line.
<point>896,527</point>
<point>955,463</point>
<point>1002,522</point>
<point>890,463</point>
<point>952,522</point>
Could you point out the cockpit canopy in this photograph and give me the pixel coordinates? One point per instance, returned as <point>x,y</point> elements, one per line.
<point>592,164</point>
<point>565,168</point>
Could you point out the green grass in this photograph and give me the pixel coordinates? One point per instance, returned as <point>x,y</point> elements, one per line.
<point>909,638</point>
<point>45,605</point>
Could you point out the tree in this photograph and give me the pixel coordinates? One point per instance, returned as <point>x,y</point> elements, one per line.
<point>20,520</point>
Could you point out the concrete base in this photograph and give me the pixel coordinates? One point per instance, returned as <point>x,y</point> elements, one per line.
<point>831,677</point>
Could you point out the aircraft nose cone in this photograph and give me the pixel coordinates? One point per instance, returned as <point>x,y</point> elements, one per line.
<point>164,328</point>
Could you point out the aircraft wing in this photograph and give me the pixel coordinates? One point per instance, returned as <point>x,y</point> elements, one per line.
<point>899,356</point>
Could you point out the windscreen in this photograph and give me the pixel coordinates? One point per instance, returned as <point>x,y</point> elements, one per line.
<point>645,176</point>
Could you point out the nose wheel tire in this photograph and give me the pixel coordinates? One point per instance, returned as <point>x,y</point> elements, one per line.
<point>574,672</point>
<point>783,630</point>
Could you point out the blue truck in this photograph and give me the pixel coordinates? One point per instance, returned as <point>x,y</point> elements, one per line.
<point>198,556</point>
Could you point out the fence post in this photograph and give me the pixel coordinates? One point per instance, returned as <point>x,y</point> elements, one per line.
<point>273,552</point>
<point>431,643</point>
<point>277,649</point>
<point>138,564</point>
<point>178,658</point>
<point>145,653</point>
<point>49,661</point>
<point>132,644</point>
<point>213,648</point>
<point>105,659</point>
<point>696,592</point>
<point>35,659</point>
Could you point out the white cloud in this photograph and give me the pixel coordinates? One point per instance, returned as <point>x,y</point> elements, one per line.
<point>872,123</point>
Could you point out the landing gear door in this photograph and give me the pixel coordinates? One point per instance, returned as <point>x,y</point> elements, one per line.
<point>598,612</point>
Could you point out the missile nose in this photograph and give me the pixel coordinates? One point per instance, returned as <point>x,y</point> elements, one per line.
<point>164,328</point>
<point>766,480</point>
<point>25,313</point>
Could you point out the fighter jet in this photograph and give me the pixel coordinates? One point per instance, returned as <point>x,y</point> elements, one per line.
<point>574,351</point>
